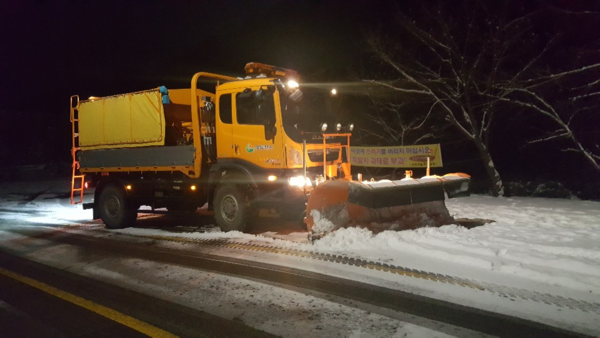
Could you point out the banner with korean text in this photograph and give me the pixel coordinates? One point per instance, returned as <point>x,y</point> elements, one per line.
<point>397,157</point>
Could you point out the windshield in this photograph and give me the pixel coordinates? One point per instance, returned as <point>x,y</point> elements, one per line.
<point>303,112</point>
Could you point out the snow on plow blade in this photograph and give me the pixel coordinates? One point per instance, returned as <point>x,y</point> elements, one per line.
<point>383,205</point>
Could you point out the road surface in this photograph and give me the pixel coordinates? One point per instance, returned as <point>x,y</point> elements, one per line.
<point>80,279</point>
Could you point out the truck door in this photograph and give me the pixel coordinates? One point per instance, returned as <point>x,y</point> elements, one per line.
<point>256,129</point>
<point>225,126</point>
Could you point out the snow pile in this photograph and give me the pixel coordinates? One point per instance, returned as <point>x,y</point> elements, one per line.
<point>322,224</point>
<point>335,217</point>
<point>402,217</point>
<point>551,241</point>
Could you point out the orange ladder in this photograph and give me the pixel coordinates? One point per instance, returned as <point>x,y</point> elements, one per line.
<point>74,149</point>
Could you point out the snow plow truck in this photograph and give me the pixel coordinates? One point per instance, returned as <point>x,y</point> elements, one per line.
<point>251,143</point>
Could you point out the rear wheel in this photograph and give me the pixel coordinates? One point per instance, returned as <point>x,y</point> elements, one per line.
<point>232,207</point>
<point>115,210</point>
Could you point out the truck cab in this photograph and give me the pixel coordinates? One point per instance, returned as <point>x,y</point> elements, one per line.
<point>265,138</point>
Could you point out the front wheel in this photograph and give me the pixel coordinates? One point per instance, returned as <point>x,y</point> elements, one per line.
<point>115,212</point>
<point>232,207</point>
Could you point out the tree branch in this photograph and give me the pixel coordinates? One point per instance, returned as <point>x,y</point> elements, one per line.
<point>580,97</point>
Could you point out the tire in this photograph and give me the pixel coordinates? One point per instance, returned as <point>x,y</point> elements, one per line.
<point>232,206</point>
<point>115,211</point>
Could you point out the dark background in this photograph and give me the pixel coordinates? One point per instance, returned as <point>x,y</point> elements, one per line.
<point>50,50</point>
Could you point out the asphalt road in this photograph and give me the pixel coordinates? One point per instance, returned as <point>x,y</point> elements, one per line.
<point>39,301</point>
<point>33,309</point>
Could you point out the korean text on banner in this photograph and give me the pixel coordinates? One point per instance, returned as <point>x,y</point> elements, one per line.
<point>397,157</point>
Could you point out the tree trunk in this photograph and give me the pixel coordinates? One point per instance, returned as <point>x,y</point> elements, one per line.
<point>496,185</point>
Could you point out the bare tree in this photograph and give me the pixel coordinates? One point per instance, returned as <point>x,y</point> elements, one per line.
<point>446,61</point>
<point>392,126</point>
<point>559,84</point>
<point>472,62</point>
<point>578,102</point>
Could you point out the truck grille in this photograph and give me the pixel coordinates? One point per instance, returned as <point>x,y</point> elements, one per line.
<point>316,155</point>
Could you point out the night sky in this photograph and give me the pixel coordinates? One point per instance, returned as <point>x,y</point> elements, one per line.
<point>51,50</point>
<point>104,47</point>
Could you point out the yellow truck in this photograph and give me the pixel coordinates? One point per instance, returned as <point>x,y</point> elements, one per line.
<point>250,143</point>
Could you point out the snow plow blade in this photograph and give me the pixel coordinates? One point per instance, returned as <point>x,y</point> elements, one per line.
<point>383,205</point>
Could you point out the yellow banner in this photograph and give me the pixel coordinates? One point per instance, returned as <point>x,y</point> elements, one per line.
<point>397,157</point>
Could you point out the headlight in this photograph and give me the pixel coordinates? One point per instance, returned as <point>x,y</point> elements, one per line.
<point>300,181</point>
<point>338,127</point>
<point>295,157</point>
<point>351,127</point>
<point>293,84</point>
<point>323,126</point>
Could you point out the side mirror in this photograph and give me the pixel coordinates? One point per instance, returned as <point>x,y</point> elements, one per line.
<point>270,132</point>
<point>296,95</point>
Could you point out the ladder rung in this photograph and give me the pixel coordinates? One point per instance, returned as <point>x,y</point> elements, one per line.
<point>82,186</point>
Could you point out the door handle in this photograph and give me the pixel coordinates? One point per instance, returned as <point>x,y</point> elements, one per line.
<point>236,149</point>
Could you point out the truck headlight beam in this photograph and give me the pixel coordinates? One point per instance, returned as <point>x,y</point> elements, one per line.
<point>300,181</point>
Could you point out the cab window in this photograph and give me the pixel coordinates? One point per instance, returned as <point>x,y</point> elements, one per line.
<point>225,108</point>
<point>255,107</point>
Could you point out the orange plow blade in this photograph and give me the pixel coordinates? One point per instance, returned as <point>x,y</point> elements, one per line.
<point>383,205</point>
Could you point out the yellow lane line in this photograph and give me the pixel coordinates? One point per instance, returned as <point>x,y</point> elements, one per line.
<point>116,316</point>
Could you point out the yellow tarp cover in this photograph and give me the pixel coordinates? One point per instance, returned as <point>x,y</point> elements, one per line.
<point>122,121</point>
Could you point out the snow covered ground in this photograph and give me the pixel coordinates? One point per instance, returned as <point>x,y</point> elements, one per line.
<point>551,241</point>
<point>538,253</point>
